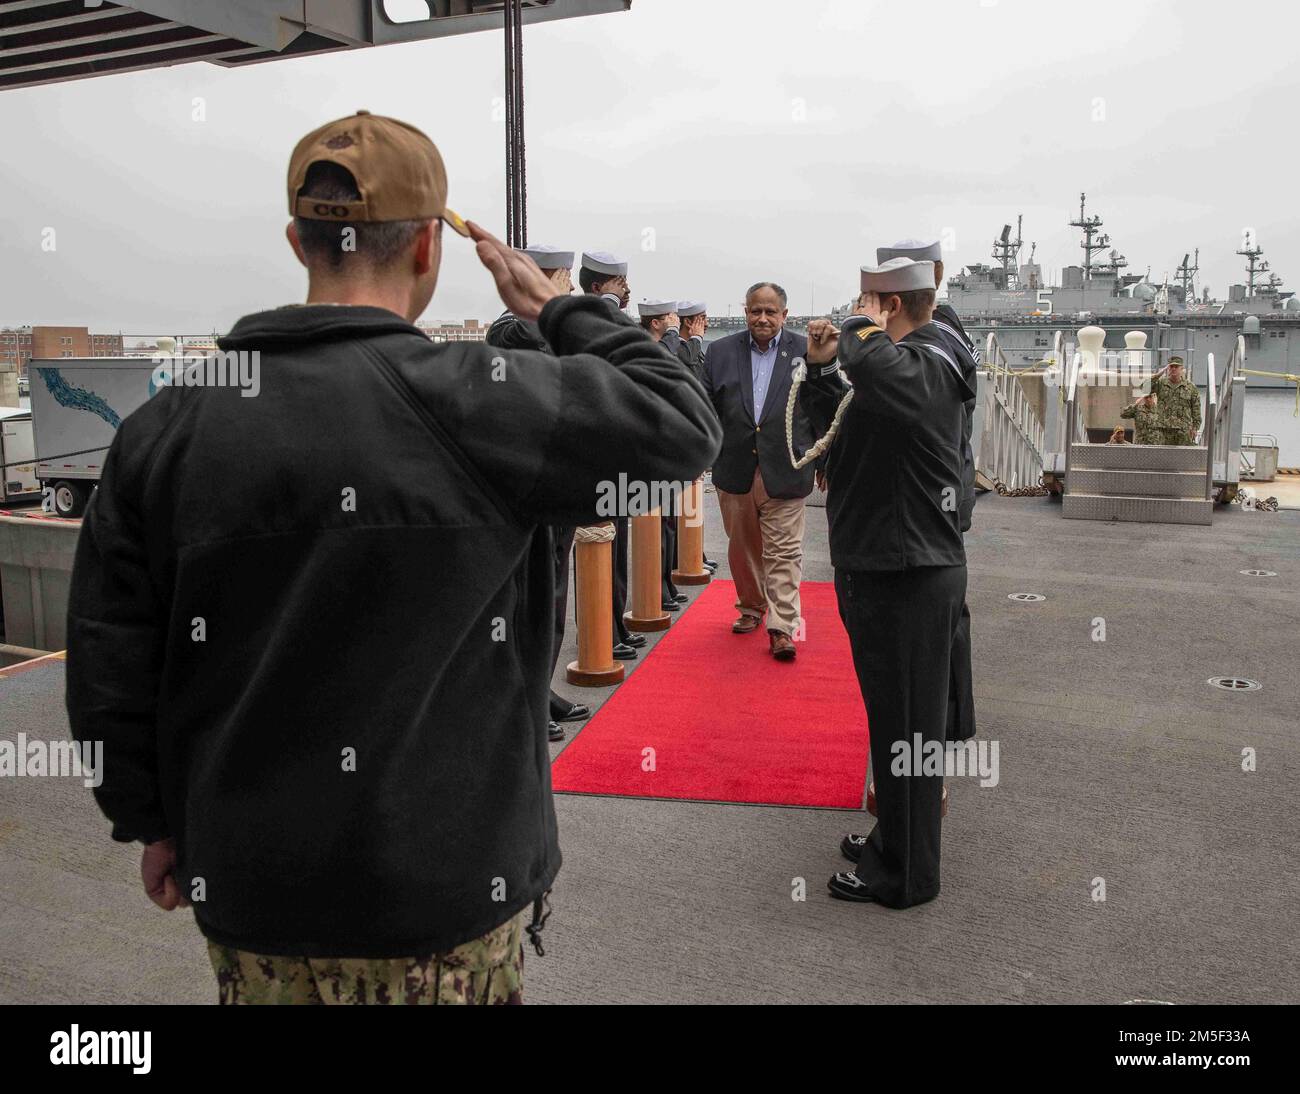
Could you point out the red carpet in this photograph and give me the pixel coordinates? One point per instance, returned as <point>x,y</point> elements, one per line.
<point>726,722</point>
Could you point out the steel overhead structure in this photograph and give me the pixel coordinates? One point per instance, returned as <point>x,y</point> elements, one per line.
<point>49,41</point>
<point>516,188</point>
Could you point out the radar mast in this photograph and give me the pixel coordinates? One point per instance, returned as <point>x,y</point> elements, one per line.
<point>1186,274</point>
<point>1007,251</point>
<point>1093,237</point>
<point>1251,253</point>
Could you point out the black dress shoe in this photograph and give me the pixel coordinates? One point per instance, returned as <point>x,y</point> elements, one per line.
<point>710,565</point>
<point>681,598</point>
<point>851,846</point>
<point>554,731</point>
<point>849,886</point>
<point>577,712</point>
<point>669,606</point>
<point>624,652</point>
<point>636,641</point>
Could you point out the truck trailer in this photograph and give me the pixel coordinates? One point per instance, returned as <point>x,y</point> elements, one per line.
<point>18,481</point>
<point>77,405</point>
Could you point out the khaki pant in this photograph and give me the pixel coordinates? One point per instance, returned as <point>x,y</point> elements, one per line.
<point>489,969</point>
<point>765,553</point>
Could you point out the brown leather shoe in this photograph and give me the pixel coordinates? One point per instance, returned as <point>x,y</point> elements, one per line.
<point>746,624</point>
<point>782,646</point>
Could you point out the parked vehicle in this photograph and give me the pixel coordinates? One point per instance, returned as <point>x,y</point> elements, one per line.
<point>18,481</point>
<point>77,405</point>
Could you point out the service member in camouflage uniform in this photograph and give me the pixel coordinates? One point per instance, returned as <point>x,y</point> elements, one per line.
<point>365,819</point>
<point>488,970</point>
<point>1143,413</point>
<point>1178,405</point>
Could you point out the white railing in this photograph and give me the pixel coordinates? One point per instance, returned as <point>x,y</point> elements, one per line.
<point>151,345</point>
<point>1055,423</point>
<point>1010,449</point>
<point>1211,424</point>
<point>1074,431</point>
<point>1225,408</point>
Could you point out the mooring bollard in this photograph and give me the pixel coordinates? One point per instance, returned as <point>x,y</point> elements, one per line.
<point>690,539</point>
<point>595,666</point>
<point>645,577</point>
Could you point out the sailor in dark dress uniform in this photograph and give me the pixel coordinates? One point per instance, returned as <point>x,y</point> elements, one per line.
<point>688,343</point>
<point>961,698</point>
<point>605,275</point>
<point>894,478</point>
<point>659,318</point>
<point>508,331</point>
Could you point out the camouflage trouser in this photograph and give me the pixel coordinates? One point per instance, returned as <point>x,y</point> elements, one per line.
<point>487,970</point>
<point>1175,435</point>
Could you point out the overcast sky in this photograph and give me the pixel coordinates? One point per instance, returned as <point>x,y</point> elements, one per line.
<point>756,139</point>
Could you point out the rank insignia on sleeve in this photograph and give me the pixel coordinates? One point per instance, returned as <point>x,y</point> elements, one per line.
<point>865,332</point>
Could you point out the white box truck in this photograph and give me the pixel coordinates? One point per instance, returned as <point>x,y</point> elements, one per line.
<point>77,405</point>
<point>18,481</point>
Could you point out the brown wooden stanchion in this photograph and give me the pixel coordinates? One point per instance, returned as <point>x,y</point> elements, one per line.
<point>690,539</point>
<point>595,666</point>
<point>645,578</point>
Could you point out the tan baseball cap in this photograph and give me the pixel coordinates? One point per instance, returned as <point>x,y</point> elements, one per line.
<point>399,172</point>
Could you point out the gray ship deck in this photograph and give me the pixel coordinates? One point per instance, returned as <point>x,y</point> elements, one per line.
<point>1117,761</point>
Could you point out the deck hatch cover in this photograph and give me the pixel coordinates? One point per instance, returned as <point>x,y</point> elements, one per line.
<point>1234,683</point>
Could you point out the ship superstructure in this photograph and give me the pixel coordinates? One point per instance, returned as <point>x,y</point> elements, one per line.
<point>1016,301</point>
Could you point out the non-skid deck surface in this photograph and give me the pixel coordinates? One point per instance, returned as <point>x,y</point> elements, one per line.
<point>1117,762</point>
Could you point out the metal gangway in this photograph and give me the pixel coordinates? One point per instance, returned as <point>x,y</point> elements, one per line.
<point>1225,411</point>
<point>1007,435</point>
<point>1152,483</point>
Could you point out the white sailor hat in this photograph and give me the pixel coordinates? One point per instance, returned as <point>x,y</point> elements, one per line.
<point>898,275</point>
<point>916,249</point>
<point>687,308</point>
<point>655,309</point>
<point>548,258</point>
<point>602,262</point>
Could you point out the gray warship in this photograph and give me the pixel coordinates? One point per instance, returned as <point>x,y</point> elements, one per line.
<point>1011,299</point>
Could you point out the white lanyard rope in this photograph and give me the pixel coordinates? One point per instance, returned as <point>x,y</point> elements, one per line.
<point>797,377</point>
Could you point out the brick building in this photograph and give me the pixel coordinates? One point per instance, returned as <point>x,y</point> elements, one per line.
<point>18,345</point>
<point>469,331</point>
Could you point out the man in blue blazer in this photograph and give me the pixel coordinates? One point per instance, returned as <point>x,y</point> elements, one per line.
<point>747,376</point>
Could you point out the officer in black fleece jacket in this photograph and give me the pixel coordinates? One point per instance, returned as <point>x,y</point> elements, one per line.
<point>313,627</point>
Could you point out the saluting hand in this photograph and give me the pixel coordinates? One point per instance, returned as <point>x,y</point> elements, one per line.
<point>823,336</point>
<point>870,305</point>
<point>523,288</point>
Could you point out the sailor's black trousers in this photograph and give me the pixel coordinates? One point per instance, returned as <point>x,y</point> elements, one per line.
<point>901,626</point>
